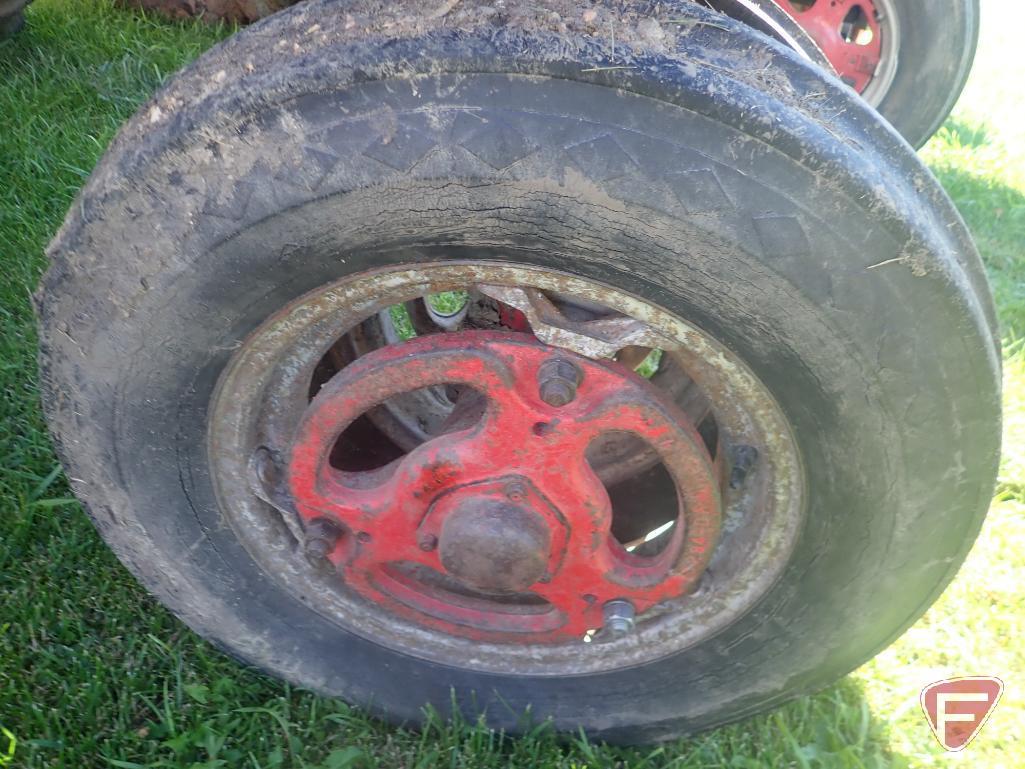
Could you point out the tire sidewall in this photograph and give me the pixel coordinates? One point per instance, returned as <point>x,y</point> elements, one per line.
<point>937,45</point>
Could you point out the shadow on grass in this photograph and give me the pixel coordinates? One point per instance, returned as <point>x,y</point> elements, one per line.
<point>100,675</point>
<point>109,678</point>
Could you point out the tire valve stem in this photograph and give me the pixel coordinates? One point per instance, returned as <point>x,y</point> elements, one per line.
<point>618,616</point>
<point>321,538</point>
<point>742,460</point>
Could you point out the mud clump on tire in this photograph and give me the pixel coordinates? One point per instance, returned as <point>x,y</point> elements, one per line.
<point>626,22</point>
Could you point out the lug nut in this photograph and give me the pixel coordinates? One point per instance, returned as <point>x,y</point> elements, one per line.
<point>319,548</point>
<point>557,392</point>
<point>321,538</point>
<point>619,618</point>
<point>558,380</point>
<point>428,542</point>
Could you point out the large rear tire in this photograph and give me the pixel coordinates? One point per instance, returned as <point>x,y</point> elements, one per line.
<point>297,173</point>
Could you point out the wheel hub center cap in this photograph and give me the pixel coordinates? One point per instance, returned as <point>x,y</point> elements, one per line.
<point>495,545</point>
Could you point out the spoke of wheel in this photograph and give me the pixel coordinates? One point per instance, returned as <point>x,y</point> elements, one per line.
<point>597,338</point>
<point>515,448</point>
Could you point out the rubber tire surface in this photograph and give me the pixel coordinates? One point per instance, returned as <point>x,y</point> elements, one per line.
<point>937,46</point>
<point>12,17</point>
<point>294,154</point>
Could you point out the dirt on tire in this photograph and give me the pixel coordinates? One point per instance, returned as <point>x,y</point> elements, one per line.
<point>239,11</point>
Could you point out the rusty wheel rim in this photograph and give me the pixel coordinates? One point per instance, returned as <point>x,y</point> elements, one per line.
<point>405,575</point>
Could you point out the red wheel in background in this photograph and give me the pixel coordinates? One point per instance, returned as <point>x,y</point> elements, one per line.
<point>908,58</point>
<point>850,34</point>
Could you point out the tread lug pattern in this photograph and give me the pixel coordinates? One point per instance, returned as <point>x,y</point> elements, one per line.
<point>497,144</point>
<point>401,149</point>
<point>601,159</point>
<point>699,190</point>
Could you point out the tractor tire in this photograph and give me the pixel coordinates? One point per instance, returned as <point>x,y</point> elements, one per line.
<point>812,281</point>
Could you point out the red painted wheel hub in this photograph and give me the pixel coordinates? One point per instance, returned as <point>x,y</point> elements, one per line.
<point>498,529</point>
<point>847,31</point>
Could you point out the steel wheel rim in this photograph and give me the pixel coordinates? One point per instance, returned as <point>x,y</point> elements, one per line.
<point>757,542</point>
<point>884,17</point>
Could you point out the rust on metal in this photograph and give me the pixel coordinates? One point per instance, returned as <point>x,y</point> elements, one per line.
<point>494,545</point>
<point>264,394</point>
<point>456,487</point>
<point>558,379</point>
<point>592,338</point>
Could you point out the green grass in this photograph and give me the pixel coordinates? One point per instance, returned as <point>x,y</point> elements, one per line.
<point>94,673</point>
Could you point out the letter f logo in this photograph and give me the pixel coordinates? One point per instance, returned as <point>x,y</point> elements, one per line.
<point>957,708</point>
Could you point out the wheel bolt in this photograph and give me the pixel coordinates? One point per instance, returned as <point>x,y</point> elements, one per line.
<point>558,379</point>
<point>428,542</point>
<point>619,618</point>
<point>515,492</point>
<point>321,538</point>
